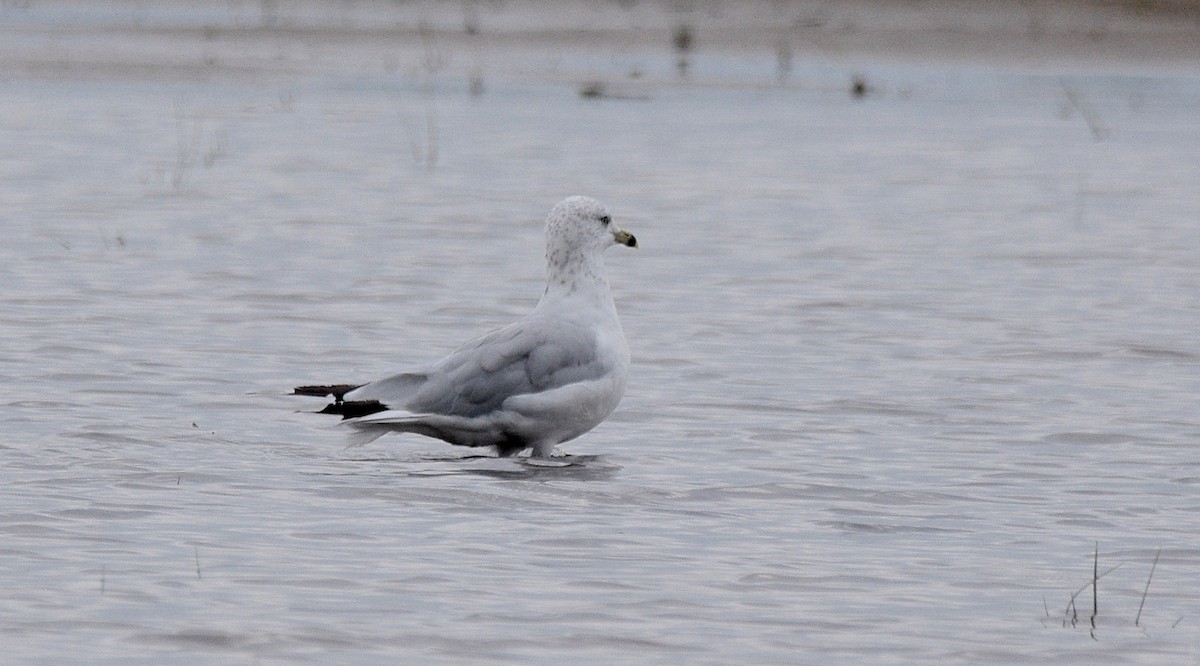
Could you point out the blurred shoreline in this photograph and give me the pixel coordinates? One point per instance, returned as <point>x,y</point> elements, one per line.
<point>166,40</point>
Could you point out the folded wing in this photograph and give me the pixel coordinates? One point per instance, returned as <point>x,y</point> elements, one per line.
<point>478,377</point>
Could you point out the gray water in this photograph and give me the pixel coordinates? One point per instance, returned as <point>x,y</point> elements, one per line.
<point>901,364</point>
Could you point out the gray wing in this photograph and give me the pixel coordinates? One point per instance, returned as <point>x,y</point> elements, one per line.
<point>395,390</point>
<point>527,356</point>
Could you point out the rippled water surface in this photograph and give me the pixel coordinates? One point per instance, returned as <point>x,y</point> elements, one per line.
<point>901,363</point>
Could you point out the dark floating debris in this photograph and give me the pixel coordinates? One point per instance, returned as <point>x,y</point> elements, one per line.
<point>592,90</point>
<point>682,38</point>
<point>683,41</point>
<point>859,87</point>
<point>600,90</point>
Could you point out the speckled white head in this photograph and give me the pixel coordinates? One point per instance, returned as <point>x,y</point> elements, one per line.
<point>582,223</point>
<point>578,229</point>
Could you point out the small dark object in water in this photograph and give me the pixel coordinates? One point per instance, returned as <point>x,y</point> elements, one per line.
<point>592,90</point>
<point>858,87</point>
<point>600,90</point>
<point>682,38</point>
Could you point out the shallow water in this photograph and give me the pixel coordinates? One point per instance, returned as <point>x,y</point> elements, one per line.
<point>900,364</point>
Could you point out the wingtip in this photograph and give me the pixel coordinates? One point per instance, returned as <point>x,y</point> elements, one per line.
<point>347,409</point>
<point>352,409</point>
<point>336,391</point>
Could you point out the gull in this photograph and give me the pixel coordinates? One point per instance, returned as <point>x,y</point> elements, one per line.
<point>544,379</point>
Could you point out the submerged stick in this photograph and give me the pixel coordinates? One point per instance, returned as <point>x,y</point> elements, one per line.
<point>1146,591</point>
<point>1097,128</point>
<point>1071,612</point>
<point>1095,587</point>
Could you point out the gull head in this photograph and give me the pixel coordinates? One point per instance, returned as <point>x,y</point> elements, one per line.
<point>582,224</point>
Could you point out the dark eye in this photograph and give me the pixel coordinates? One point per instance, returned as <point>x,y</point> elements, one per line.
<point>604,219</point>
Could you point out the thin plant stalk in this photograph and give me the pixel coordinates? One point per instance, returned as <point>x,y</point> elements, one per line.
<point>1137,620</point>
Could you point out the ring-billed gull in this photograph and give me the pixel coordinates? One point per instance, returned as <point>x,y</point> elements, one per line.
<point>544,379</point>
